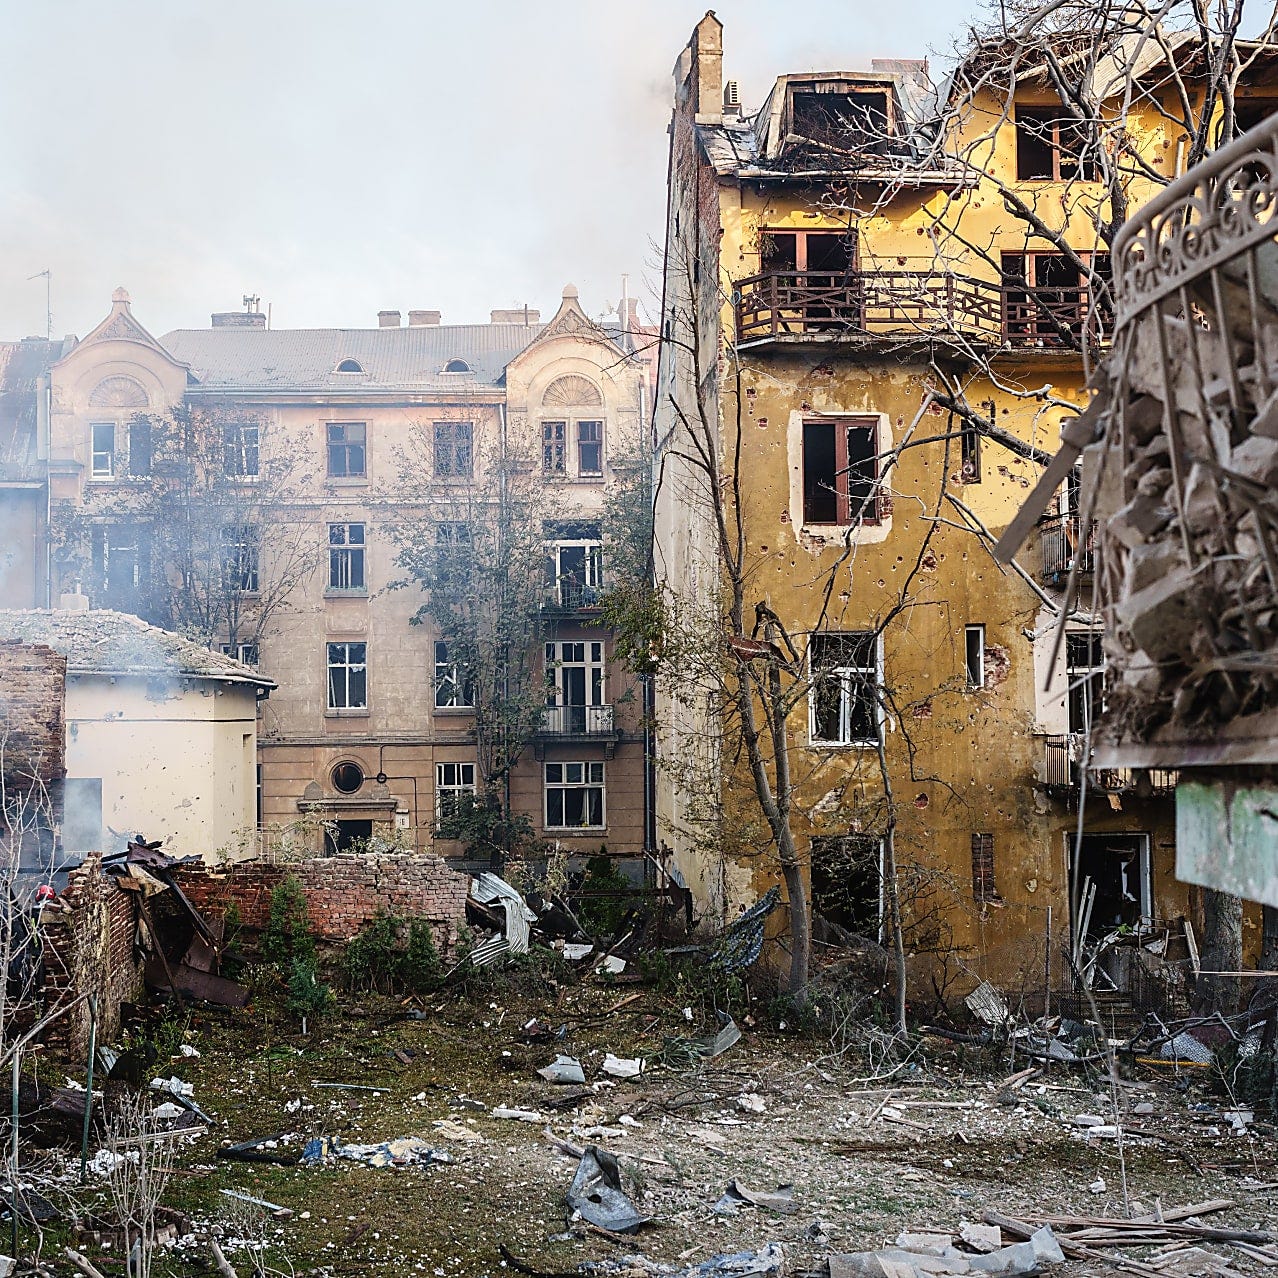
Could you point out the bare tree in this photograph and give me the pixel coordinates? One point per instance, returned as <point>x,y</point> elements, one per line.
<point>200,537</point>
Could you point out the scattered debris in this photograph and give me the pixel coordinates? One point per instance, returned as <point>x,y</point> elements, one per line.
<point>942,1257</point>
<point>280,1213</point>
<point>622,1067</point>
<point>563,1069</point>
<point>988,1005</point>
<point>404,1151</point>
<point>751,1103</point>
<point>737,1195</point>
<point>456,1131</point>
<point>487,890</point>
<point>596,1194</point>
<point>520,1115</point>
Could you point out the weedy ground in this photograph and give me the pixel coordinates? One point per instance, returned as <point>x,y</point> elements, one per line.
<point>935,1143</point>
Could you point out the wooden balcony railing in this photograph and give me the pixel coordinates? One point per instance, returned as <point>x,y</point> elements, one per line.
<point>900,303</point>
<point>1065,542</point>
<point>1062,774</point>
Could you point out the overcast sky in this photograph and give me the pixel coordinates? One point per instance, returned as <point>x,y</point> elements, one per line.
<point>339,159</point>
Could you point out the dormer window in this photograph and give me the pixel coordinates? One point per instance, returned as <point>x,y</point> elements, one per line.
<point>457,366</point>
<point>840,116</point>
<point>349,366</point>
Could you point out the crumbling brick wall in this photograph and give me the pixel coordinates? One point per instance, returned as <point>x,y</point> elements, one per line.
<point>33,682</point>
<point>89,931</point>
<point>343,893</point>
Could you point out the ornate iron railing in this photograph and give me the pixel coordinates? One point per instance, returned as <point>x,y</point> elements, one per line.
<point>1066,543</point>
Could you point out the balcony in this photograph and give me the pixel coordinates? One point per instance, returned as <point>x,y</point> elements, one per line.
<point>570,595</point>
<point>1066,542</point>
<point>578,724</point>
<point>1062,774</point>
<point>899,305</point>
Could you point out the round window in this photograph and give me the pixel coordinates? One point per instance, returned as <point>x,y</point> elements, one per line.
<point>348,777</point>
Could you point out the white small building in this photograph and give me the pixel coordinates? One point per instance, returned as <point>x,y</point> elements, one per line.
<point>161,734</point>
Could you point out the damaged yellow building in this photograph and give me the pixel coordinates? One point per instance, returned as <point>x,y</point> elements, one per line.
<point>867,359</point>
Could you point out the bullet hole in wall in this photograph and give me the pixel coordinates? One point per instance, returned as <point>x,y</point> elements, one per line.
<point>921,801</point>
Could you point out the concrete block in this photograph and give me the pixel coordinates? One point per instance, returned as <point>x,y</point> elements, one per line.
<point>1162,618</point>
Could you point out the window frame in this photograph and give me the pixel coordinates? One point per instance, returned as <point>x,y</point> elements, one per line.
<point>242,450</point>
<point>347,552</point>
<point>593,576</point>
<point>554,446</point>
<point>563,785</point>
<point>141,448</point>
<point>352,668</point>
<point>346,448</point>
<point>451,674</point>
<point>241,559</point>
<point>975,670</point>
<point>453,789</point>
<point>106,470</point>
<point>582,444</point>
<point>451,458</point>
<point>847,677</point>
<point>1084,681</point>
<point>245,652</point>
<point>1086,168</point>
<point>843,425</point>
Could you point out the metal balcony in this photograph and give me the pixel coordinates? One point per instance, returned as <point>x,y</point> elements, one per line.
<point>1066,542</point>
<point>1062,774</point>
<point>568,595</point>
<point>899,305</point>
<point>577,721</point>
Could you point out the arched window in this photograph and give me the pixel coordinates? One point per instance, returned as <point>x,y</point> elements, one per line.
<point>349,366</point>
<point>457,366</point>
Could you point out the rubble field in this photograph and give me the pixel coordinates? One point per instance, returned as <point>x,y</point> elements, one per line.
<point>823,1160</point>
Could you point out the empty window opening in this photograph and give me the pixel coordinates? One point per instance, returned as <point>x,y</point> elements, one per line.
<point>453,458</point>
<point>983,888</point>
<point>840,471</point>
<point>347,778</point>
<point>102,461</point>
<point>452,556</point>
<point>343,836</point>
<point>1052,146</point>
<point>849,121</point>
<point>347,450</point>
<point>350,366</point>
<point>1085,674</point>
<point>119,553</point>
<point>1048,299</point>
<point>347,676</point>
<point>974,644</point>
<point>140,447</point>
<point>1110,882</point>
<point>574,796</point>
<point>241,559</point>
<point>82,814</point>
<point>843,703</point>
<point>847,887</point>
<point>240,445</point>
<point>346,557</point>
<point>453,689</point>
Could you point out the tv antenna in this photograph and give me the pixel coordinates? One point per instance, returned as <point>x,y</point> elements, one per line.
<point>47,276</point>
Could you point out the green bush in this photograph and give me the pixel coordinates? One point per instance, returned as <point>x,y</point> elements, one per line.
<point>288,932</point>
<point>307,994</point>
<point>600,915</point>
<point>393,955</point>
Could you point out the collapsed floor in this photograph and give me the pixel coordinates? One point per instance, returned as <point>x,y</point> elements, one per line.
<point>941,1142</point>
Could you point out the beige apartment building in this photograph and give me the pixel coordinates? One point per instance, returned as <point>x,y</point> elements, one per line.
<point>327,441</point>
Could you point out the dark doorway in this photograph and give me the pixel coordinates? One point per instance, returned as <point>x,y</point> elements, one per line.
<point>846,883</point>
<point>1110,882</point>
<point>341,836</point>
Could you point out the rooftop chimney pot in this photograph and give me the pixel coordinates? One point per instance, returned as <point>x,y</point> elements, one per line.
<point>388,319</point>
<point>423,319</point>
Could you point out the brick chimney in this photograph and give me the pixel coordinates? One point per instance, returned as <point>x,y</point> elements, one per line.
<point>388,319</point>
<point>423,319</point>
<point>238,319</point>
<point>707,69</point>
<point>517,315</point>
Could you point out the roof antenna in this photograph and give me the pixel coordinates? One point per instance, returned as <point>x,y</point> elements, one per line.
<point>251,303</point>
<point>625,303</point>
<point>47,276</point>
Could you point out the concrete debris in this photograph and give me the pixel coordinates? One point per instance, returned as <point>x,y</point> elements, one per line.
<point>751,1103</point>
<point>563,1069</point>
<point>622,1067</point>
<point>404,1151</point>
<point>737,1195</point>
<point>597,1196</point>
<point>456,1131</point>
<point>174,1086</point>
<point>941,1257</point>
<point>519,1115</point>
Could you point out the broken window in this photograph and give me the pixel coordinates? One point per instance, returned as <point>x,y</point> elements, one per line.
<point>244,651</point>
<point>347,676</point>
<point>847,883</point>
<point>240,559</point>
<point>974,643</point>
<point>983,888</point>
<point>119,553</point>
<point>1114,883</point>
<point>844,703</point>
<point>574,564</point>
<point>845,120</point>
<point>554,456</point>
<point>240,450</point>
<point>347,777</point>
<point>574,796</point>
<point>574,686</point>
<point>140,447</point>
<point>452,782</point>
<point>1052,146</point>
<point>102,458</point>
<point>453,450</point>
<point>453,556</point>
<point>452,682</point>
<point>1085,673</point>
<point>346,557</point>
<point>840,471</point>
<point>347,450</point>
<point>590,448</point>
<point>346,835</point>
<point>970,448</point>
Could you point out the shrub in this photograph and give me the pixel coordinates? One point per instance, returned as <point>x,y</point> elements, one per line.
<point>288,932</point>
<point>307,994</point>
<point>393,954</point>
